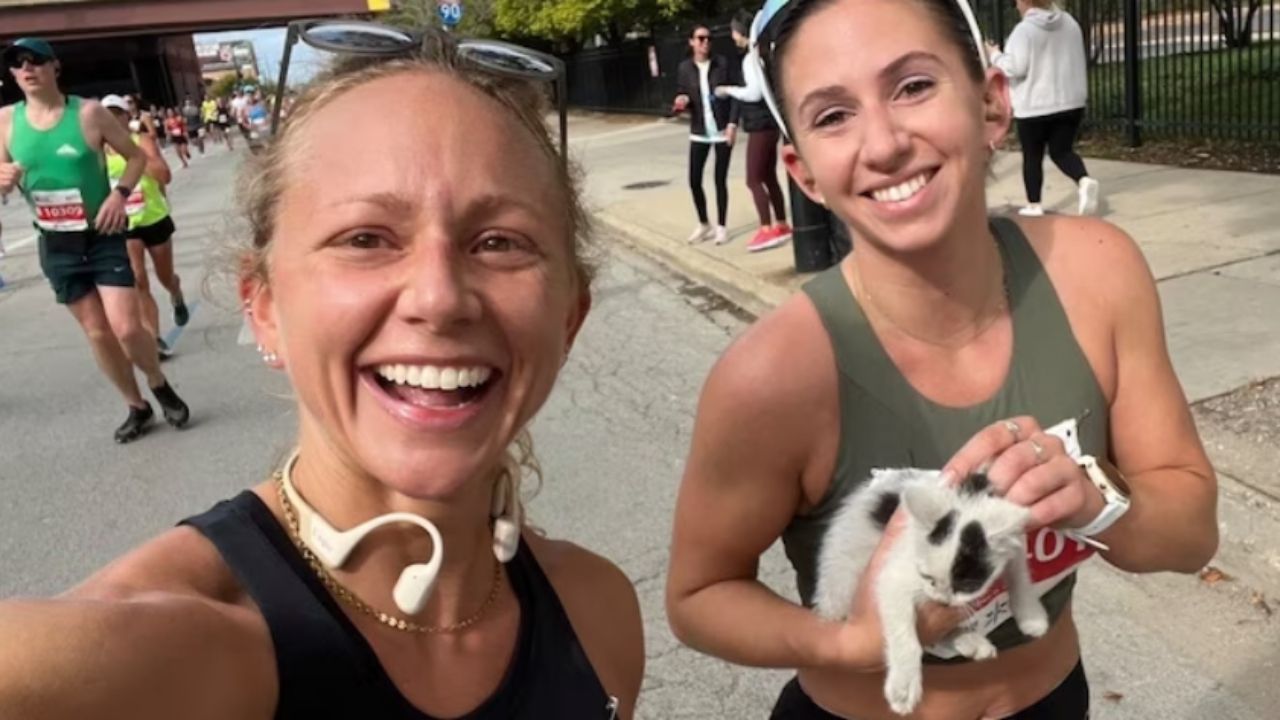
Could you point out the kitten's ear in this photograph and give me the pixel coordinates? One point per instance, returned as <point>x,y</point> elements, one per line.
<point>1004,518</point>
<point>927,503</point>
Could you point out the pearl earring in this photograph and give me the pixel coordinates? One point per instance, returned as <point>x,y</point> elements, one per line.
<point>269,358</point>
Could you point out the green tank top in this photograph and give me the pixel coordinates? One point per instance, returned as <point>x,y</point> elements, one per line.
<point>63,179</point>
<point>884,422</point>
<point>147,205</point>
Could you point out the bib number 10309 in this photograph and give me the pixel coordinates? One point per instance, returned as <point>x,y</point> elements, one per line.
<point>60,210</point>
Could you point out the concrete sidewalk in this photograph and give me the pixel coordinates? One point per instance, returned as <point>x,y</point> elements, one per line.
<point>1212,238</point>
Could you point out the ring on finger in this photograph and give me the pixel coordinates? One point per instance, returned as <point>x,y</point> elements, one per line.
<point>1038,449</point>
<point>1012,427</point>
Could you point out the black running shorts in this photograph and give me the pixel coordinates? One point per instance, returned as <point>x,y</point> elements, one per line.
<point>157,233</point>
<point>76,263</point>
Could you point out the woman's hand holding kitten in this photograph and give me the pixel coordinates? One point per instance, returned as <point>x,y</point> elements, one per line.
<point>1047,480</point>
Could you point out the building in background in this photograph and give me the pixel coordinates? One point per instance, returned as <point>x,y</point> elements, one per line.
<point>233,57</point>
<point>145,47</point>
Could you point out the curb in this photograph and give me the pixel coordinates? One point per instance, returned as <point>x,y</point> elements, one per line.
<point>739,287</point>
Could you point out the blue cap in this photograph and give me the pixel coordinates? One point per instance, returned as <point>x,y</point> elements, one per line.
<point>33,45</point>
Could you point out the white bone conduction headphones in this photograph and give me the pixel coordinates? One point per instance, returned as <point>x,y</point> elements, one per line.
<point>332,546</point>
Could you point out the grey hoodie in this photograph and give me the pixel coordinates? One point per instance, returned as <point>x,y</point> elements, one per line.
<point>1045,61</point>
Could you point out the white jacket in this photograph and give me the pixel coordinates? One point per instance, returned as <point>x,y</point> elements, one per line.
<point>1044,59</point>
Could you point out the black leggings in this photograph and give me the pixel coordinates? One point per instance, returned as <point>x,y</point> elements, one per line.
<point>697,163</point>
<point>1058,132</point>
<point>1068,701</point>
<point>762,176</point>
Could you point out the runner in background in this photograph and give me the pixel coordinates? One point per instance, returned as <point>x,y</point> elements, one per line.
<point>51,149</point>
<point>258,118</point>
<point>209,116</point>
<point>225,123</point>
<point>176,130</point>
<point>151,227</point>
<point>141,120</point>
<point>195,123</point>
<point>240,103</point>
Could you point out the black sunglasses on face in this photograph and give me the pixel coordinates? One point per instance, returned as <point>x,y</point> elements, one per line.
<point>17,61</point>
<point>702,38</point>
<point>355,37</point>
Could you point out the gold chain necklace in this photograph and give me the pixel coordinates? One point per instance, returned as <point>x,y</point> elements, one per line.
<point>342,593</point>
<point>861,290</point>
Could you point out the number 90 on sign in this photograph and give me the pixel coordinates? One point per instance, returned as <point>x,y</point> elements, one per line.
<point>450,13</point>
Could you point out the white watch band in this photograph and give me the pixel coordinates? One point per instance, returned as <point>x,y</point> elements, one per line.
<point>1116,503</point>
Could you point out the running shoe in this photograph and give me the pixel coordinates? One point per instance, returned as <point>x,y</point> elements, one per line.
<point>721,235</point>
<point>700,233</point>
<point>165,351</point>
<point>136,424</point>
<point>767,239</point>
<point>1089,192</point>
<point>181,315</point>
<point>176,412</point>
<point>1032,210</point>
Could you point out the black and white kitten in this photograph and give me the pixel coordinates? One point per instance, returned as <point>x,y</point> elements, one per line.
<point>957,543</point>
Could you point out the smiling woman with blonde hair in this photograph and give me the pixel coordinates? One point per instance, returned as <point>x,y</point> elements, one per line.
<point>421,287</point>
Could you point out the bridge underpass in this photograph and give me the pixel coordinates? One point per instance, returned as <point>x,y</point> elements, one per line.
<point>145,47</point>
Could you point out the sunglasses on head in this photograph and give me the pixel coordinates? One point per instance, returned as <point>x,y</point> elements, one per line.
<point>18,60</point>
<point>357,37</point>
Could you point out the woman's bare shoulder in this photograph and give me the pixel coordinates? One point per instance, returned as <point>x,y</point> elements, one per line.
<point>784,357</point>
<point>1085,248</point>
<point>180,561</point>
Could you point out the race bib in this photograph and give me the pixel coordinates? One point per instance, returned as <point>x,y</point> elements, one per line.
<point>60,210</point>
<point>1051,557</point>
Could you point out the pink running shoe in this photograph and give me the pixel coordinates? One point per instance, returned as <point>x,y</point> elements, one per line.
<point>767,239</point>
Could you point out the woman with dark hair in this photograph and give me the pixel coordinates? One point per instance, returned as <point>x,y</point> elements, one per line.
<point>946,340</point>
<point>714,125</point>
<point>762,145</point>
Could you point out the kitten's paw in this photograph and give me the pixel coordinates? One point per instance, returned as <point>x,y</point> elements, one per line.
<point>1032,620</point>
<point>903,689</point>
<point>974,646</point>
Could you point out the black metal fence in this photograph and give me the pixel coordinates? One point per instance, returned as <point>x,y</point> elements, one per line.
<point>1157,68</point>
<point>1162,68</point>
<point>638,76</point>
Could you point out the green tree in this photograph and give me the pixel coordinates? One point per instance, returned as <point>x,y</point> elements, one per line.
<point>577,20</point>
<point>565,22</point>
<point>1235,20</point>
<point>223,86</point>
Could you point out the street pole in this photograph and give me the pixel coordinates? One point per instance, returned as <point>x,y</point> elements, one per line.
<point>810,232</point>
<point>1132,74</point>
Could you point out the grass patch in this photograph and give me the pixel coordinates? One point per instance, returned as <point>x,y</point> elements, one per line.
<point>1235,93</point>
